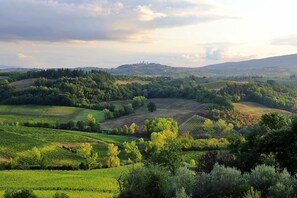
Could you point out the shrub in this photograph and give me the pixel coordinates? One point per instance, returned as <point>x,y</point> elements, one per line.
<point>180,184</point>
<point>208,160</point>
<point>182,194</point>
<point>25,193</point>
<point>252,194</point>
<point>270,182</point>
<point>220,182</point>
<point>145,182</point>
<point>61,195</point>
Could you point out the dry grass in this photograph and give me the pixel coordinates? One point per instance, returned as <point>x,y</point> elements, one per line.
<point>256,110</point>
<point>217,85</point>
<point>124,82</point>
<point>179,109</point>
<point>22,84</point>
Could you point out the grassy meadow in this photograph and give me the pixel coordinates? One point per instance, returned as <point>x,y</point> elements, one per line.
<point>45,114</point>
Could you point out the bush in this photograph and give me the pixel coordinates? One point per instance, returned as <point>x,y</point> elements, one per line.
<point>180,183</point>
<point>61,195</point>
<point>220,182</point>
<point>267,180</point>
<point>208,160</point>
<point>145,182</point>
<point>252,194</point>
<point>181,194</point>
<point>25,193</point>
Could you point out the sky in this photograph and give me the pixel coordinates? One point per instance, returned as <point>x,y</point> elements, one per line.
<point>109,33</point>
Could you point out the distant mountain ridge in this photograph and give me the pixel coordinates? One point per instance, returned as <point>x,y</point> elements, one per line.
<point>285,62</point>
<point>5,68</point>
<point>272,66</point>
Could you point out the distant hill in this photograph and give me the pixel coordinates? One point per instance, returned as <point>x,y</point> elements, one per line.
<point>150,69</point>
<point>272,66</point>
<point>5,68</point>
<point>278,65</point>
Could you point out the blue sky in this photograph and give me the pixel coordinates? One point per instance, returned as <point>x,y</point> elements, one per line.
<point>108,33</point>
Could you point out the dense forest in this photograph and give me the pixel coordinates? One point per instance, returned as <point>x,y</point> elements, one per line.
<point>88,89</point>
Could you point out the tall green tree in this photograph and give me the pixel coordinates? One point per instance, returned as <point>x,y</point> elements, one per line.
<point>132,151</point>
<point>151,106</point>
<point>112,156</point>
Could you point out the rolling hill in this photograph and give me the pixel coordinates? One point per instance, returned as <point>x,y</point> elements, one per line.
<point>271,66</point>
<point>45,114</point>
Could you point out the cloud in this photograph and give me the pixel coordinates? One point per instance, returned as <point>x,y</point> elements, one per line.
<point>212,53</point>
<point>290,40</point>
<point>147,14</point>
<point>23,56</point>
<point>88,20</point>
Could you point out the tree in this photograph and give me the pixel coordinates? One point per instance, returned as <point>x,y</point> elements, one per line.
<point>138,101</point>
<point>132,151</point>
<point>151,107</point>
<point>208,126</point>
<point>61,195</point>
<point>128,108</point>
<point>85,150</point>
<point>209,159</point>
<point>168,155</point>
<point>25,193</point>
<point>38,157</point>
<point>133,128</point>
<point>91,119</point>
<point>160,124</point>
<point>145,182</point>
<point>112,159</point>
<point>107,114</point>
<point>273,121</point>
<point>125,129</point>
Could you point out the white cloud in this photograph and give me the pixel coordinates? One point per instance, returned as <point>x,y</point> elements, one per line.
<point>147,14</point>
<point>290,40</point>
<point>23,56</point>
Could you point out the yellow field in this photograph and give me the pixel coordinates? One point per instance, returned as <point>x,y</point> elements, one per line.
<point>255,109</point>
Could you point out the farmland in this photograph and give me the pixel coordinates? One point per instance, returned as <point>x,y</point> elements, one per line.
<point>179,109</point>
<point>217,85</point>
<point>124,82</point>
<point>93,183</point>
<point>45,114</point>
<point>22,84</point>
<point>18,140</point>
<point>255,109</point>
<point>192,125</point>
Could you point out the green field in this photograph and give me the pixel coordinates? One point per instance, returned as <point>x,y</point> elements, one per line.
<point>45,114</point>
<point>77,184</point>
<point>18,140</point>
